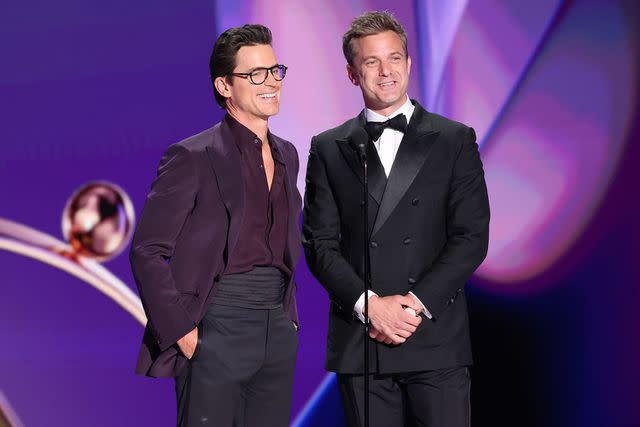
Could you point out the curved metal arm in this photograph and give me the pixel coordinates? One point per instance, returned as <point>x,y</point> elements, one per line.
<point>29,242</point>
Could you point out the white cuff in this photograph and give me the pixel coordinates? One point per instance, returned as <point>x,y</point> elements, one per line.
<point>424,309</point>
<point>359,307</point>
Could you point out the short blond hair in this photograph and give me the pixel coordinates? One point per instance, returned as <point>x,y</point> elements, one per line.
<point>369,24</point>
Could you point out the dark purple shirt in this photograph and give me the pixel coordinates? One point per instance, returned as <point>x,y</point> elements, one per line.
<point>263,233</point>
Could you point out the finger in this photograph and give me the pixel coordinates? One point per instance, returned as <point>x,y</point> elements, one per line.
<point>412,320</point>
<point>388,341</point>
<point>404,325</point>
<point>410,301</point>
<point>409,328</point>
<point>387,331</point>
<point>407,300</point>
<point>382,337</point>
<point>397,339</point>
<point>411,311</point>
<point>403,333</point>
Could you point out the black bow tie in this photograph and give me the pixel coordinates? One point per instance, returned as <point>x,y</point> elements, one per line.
<point>375,129</point>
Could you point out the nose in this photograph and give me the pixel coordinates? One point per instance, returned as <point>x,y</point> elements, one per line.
<point>385,69</point>
<point>271,81</point>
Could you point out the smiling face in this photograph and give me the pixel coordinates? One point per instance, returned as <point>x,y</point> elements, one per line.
<point>381,68</point>
<point>245,101</point>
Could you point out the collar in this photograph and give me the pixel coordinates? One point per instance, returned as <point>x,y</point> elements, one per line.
<point>246,139</point>
<point>406,109</point>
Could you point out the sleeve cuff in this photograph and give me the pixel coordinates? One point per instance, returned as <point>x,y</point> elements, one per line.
<point>358,308</point>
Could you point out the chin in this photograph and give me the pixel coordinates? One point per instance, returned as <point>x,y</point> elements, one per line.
<point>271,112</point>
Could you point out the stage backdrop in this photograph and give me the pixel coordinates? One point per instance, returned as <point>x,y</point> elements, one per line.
<point>95,91</point>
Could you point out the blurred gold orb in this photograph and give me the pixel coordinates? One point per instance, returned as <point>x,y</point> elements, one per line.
<point>98,220</point>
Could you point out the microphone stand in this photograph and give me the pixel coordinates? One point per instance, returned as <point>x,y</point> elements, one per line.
<point>362,151</point>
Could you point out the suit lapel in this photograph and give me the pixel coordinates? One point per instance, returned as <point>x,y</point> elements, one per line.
<point>414,150</point>
<point>377,177</point>
<point>224,157</point>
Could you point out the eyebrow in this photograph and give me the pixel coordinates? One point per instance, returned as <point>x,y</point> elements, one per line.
<point>396,52</point>
<point>251,70</point>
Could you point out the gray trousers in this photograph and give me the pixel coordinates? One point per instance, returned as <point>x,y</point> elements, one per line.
<point>241,374</point>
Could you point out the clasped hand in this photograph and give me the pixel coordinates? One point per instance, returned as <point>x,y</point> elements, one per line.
<point>390,323</point>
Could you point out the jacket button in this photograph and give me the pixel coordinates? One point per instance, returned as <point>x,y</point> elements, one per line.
<point>407,241</point>
<point>415,201</point>
<point>361,203</point>
<point>373,244</point>
<point>411,280</point>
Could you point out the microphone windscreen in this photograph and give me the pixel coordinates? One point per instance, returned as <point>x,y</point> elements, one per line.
<point>359,139</point>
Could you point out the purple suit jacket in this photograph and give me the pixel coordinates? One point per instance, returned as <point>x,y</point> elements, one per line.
<point>187,229</point>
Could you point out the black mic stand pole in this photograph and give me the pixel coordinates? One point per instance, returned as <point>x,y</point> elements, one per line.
<point>362,151</point>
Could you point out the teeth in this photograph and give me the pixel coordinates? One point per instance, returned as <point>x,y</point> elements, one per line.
<point>267,95</point>
<point>386,84</point>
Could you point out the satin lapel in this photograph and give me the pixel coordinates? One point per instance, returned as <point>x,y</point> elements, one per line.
<point>377,177</point>
<point>350,157</point>
<point>224,157</point>
<point>414,150</point>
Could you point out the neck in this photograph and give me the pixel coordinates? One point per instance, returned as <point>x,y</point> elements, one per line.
<point>256,125</point>
<point>388,110</point>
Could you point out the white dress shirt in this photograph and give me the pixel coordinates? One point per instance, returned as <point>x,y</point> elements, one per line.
<point>387,146</point>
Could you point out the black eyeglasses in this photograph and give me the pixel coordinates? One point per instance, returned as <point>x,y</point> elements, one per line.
<point>259,75</point>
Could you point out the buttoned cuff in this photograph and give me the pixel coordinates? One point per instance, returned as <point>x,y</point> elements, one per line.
<point>424,308</point>
<point>358,308</point>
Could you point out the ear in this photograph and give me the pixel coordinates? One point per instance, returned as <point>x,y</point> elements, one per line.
<point>222,86</point>
<point>408,65</point>
<point>353,75</point>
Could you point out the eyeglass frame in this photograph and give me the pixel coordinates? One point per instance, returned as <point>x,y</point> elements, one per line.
<point>247,76</point>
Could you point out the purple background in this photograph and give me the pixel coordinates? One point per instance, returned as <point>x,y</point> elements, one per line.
<point>96,91</point>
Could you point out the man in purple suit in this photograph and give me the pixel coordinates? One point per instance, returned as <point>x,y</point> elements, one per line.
<point>215,250</point>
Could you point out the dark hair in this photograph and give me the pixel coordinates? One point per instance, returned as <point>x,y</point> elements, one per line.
<point>223,57</point>
<point>369,24</point>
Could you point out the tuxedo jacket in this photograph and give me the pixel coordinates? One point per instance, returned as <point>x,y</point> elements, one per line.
<point>428,232</point>
<point>188,227</point>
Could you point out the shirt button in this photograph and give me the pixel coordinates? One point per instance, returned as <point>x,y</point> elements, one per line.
<point>373,244</point>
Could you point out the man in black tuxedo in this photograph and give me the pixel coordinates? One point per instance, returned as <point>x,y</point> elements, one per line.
<point>215,250</point>
<point>429,227</point>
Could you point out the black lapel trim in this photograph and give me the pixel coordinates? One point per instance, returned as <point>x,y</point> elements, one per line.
<point>377,177</point>
<point>414,150</point>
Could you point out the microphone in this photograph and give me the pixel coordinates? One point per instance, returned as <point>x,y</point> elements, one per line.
<point>358,142</point>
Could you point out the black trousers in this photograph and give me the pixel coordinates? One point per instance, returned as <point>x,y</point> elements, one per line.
<point>437,398</point>
<point>242,371</point>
